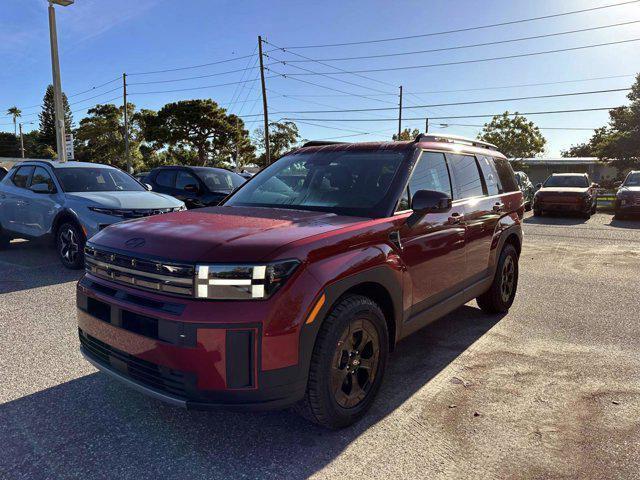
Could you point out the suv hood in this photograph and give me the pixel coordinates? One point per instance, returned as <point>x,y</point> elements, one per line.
<point>220,234</point>
<point>564,189</point>
<point>126,200</point>
<point>623,189</point>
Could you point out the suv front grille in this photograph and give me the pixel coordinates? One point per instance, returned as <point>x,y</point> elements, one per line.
<point>155,376</point>
<point>152,275</point>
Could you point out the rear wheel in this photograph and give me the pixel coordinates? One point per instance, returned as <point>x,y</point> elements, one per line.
<point>499,298</point>
<point>70,245</point>
<point>347,364</point>
<point>527,206</point>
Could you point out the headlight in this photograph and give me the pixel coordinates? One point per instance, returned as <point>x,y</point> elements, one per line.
<point>242,281</point>
<point>104,211</point>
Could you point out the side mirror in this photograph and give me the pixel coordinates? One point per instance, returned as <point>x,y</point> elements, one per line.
<point>42,188</point>
<point>148,186</point>
<point>428,201</point>
<point>192,187</point>
<point>595,185</point>
<point>538,186</point>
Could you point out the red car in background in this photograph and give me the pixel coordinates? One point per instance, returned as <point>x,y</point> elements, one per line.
<point>566,193</point>
<point>628,196</point>
<point>296,288</point>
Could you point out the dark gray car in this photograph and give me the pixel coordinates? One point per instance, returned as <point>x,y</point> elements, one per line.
<point>72,201</point>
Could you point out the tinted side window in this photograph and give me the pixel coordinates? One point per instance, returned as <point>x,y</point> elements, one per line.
<point>21,177</point>
<point>40,175</point>
<point>166,178</point>
<point>466,175</point>
<point>505,173</point>
<point>491,180</point>
<point>430,173</point>
<point>185,178</point>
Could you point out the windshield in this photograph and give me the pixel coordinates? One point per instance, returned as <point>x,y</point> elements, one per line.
<point>633,180</point>
<point>87,179</point>
<point>343,182</point>
<point>567,181</point>
<point>219,180</point>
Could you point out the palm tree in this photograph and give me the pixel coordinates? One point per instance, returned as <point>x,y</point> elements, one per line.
<point>15,112</point>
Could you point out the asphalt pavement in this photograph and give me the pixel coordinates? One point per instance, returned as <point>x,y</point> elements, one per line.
<point>550,390</point>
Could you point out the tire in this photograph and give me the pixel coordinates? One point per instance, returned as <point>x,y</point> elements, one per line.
<point>586,215</point>
<point>346,343</point>
<point>500,296</point>
<point>537,212</point>
<point>619,216</point>
<point>70,245</point>
<point>527,207</point>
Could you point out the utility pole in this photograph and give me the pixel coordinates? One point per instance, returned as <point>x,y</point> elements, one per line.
<point>267,152</point>
<point>57,86</point>
<point>426,125</point>
<point>126,124</point>
<point>21,141</point>
<point>237,143</point>
<point>400,115</point>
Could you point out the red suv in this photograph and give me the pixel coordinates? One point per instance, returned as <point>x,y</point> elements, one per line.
<point>296,288</point>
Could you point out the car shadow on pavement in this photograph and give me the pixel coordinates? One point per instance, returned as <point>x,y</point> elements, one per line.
<point>94,427</point>
<point>555,219</point>
<point>25,265</point>
<point>630,222</point>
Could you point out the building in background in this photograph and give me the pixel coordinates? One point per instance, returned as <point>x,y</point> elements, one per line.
<point>538,169</point>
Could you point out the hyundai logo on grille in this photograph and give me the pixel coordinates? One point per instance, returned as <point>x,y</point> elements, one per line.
<point>135,242</point>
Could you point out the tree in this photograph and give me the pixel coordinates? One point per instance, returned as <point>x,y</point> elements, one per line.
<point>617,143</point>
<point>48,118</point>
<point>100,136</point>
<point>243,152</point>
<point>514,135</point>
<point>283,136</point>
<point>9,145</point>
<point>406,134</point>
<point>200,125</point>
<point>15,112</point>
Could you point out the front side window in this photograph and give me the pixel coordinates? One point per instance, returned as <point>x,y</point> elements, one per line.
<point>40,175</point>
<point>219,180</point>
<point>88,179</point>
<point>21,177</point>
<point>166,178</point>
<point>183,179</point>
<point>430,173</point>
<point>568,181</point>
<point>466,176</point>
<point>346,182</point>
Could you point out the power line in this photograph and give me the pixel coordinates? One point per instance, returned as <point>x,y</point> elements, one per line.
<point>445,118</point>
<point>474,102</point>
<point>193,66</point>
<point>467,29</point>
<point>194,88</point>
<point>479,60</point>
<point>184,79</point>
<point>457,47</point>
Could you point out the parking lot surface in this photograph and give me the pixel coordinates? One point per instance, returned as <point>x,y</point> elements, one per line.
<point>550,390</point>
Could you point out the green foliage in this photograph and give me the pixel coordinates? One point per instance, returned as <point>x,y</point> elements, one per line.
<point>15,112</point>
<point>48,118</point>
<point>198,125</point>
<point>283,136</point>
<point>514,136</point>
<point>100,136</point>
<point>9,145</point>
<point>406,134</point>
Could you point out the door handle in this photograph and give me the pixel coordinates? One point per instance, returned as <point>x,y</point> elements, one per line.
<point>455,218</point>
<point>498,207</point>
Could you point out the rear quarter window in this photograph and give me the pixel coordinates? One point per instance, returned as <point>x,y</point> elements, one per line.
<point>491,179</point>
<point>506,175</point>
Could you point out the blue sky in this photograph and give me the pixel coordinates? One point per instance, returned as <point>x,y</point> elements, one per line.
<point>101,39</point>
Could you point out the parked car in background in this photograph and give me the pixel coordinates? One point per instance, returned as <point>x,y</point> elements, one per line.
<point>628,196</point>
<point>294,292</point>
<point>3,172</point>
<point>140,176</point>
<point>245,174</point>
<point>72,201</point>
<point>196,186</point>
<point>527,189</point>
<point>568,193</point>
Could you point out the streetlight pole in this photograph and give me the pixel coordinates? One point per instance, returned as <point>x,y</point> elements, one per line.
<point>57,85</point>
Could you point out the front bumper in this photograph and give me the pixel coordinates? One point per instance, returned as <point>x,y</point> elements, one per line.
<point>630,206</point>
<point>548,206</point>
<point>191,364</point>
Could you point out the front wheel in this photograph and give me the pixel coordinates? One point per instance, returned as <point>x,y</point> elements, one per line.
<point>70,245</point>
<point>500,296</point>
<point>347,364</point>
<point>537,212</point>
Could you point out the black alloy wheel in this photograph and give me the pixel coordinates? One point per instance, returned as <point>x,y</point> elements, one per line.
<point>501,294</point>
<point>70,245</point>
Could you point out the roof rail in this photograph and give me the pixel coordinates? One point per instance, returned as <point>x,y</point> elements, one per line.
<point>447,138</point>
<point>322,143</point>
